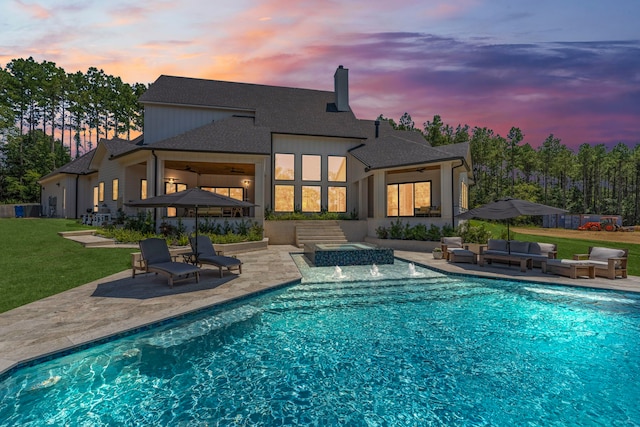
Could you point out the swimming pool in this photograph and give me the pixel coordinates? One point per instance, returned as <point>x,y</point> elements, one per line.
<point>389,350</point>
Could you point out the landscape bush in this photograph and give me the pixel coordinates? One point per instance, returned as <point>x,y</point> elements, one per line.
<point>405,231</point>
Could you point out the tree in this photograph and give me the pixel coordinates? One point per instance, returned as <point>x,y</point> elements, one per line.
<point>26,159</point>
<point>514,138</point>
<point>406,122</point>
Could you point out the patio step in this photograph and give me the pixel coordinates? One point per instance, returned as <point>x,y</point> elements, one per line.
<point>319,232</point>
<point>88,239</point>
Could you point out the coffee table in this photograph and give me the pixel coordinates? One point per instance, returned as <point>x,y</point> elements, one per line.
<point>524,262</point>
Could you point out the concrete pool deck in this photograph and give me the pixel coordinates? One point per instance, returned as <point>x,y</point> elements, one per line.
<point>118,303</point>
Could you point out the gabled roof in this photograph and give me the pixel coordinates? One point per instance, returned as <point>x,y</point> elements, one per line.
<point>82,165</point>
<point>79,166</point>
<point>394,148</point>
<point>118,146</point>
<point>281,109</point>
<point>230,135</point>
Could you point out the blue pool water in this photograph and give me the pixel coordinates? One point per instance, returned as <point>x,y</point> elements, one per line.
<point>386,351</point>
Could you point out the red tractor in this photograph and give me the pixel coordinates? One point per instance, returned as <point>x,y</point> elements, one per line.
<point>607,223</point>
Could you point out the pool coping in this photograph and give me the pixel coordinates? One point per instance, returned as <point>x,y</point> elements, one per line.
<point>120,305</point>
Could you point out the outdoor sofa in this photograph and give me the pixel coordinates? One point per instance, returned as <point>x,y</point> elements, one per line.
<point>608,262</point>
<point>537,252</point>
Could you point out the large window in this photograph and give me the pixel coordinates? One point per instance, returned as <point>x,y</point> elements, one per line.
<point>464,196</point>
<point>407,198</point>
<point>422,194</point>
<point>337,199</point>
<point>311,198</point>
<point>173,187</point>
<point>311,168</point>
<point>337,168</point>
<point>101,191</point>
<point>143,189</point>
<point>285,167</point>
<point>96,198</point>
<point>316,186</point>
<point>114,188</point>
<point>233,192</point>
<point>284,198</point>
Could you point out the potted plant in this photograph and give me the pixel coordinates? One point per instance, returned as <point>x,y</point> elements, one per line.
<point>437,253</point>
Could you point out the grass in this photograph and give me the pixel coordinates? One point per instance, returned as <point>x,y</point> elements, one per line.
<point>36,262</point>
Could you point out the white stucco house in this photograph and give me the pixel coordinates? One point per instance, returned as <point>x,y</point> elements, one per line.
<point>282,148</point>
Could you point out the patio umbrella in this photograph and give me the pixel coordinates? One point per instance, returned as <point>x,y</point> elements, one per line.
<point>192,198</point>
<point>509,208</point>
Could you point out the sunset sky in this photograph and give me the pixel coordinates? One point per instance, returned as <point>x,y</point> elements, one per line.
<point>565,67</point>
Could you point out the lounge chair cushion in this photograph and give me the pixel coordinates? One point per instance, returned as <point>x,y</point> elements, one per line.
<point>158,259</point>
<point>541,248</point>
<point>567,262</point>
<point>452,242</point>
<point>519,247</point>
<point>225,261</point>
<point>207,254</point>
<point>603,254</point>
<point>497,245</point>
<point>175,268</point>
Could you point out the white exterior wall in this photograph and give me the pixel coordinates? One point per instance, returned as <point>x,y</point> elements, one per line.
<point>161,122</point>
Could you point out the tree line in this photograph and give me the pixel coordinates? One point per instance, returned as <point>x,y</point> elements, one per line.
<point>49,116</point>
<point>593,180</point>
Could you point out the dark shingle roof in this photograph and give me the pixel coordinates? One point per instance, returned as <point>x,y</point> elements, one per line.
<point>287,111</point>
<point>79,166</point>
<point>393,148</point>
<point>231,135</point>
<point>82,165</point>
<point>118,146</point>
<point>281,109</point>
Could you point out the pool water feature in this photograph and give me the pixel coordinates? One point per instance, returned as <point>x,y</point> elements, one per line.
<point>390,351</point>
<point>341,254</point>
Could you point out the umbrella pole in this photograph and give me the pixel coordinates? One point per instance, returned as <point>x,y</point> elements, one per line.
<point>197,232</point>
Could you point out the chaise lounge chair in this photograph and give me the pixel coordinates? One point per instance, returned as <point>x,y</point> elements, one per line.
<point>205,253</point>
<point>157,259</point>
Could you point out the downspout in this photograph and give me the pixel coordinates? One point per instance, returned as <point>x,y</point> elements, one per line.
<point>155,185</point>
<point>77,189</point>
<point>453,215</point>
<point>155,173</point>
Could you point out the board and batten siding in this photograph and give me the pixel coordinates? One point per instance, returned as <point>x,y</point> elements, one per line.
<point>162,122</point>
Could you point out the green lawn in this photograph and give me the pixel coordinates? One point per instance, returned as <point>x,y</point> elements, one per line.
<point>36,262</point>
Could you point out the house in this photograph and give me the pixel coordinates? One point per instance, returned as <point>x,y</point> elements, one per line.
<point>281,148</point>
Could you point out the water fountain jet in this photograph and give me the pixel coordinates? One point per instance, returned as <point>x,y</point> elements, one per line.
<point>374,271</point>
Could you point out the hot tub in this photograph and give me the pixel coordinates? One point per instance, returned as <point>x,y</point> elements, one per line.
<point>328,254</point>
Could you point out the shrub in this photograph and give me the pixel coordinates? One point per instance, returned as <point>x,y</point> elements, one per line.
<point>396,231</point>
<point>474,234</point>
<point>382,232</point>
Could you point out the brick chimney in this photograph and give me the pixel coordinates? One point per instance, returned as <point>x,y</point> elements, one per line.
<point>341,88</point>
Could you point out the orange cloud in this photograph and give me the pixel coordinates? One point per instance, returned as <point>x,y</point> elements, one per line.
<point>35,10</point>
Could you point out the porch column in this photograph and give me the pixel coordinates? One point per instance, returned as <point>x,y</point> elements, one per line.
<point>447,191</point>
<point>259,186</point>
<point>363,192</point>
<point>380,195</point>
